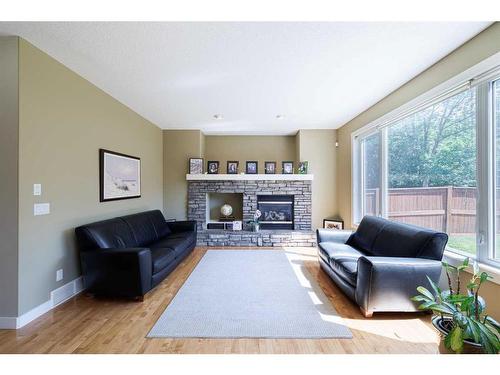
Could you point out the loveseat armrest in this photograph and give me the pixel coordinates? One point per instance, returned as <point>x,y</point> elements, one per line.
<point>388,283</point>
<point>117,272</point>
<point>332,235</point>
<point>182,226</point>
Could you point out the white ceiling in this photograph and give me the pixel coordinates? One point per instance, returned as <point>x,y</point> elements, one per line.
<point>178,75</point>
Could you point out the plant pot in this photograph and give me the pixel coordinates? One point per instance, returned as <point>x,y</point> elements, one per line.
<point>443,325</point>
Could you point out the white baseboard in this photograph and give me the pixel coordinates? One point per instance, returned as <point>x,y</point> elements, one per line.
<point>57,297</point>
<point>8,323</point>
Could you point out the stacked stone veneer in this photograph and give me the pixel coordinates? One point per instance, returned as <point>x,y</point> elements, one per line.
<point>300,189</point>
<point>266,238</point>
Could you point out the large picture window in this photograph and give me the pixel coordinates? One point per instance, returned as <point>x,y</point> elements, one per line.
<point>371,175</point>
<point>422,168</point>
<point>496,119</point>
<point>432,170</point>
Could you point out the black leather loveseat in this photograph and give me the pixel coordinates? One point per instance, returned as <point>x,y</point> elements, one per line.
<point>381,264</point>
<point>128,256</point>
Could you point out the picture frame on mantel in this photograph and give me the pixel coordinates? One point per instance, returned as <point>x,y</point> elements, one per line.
<point>212,167</point>
<point>287,167</point>
<point>119,176</point>
<point>252,167</point>
<point>232,167</point>
<point>270,167</point>
<point>196,165</point>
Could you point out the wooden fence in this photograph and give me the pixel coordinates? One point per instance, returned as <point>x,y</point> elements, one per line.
<point>450,209</point>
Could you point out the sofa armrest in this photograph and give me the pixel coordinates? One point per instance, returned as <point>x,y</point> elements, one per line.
<point>388,283</point>
<point>119,272</point>
<point>332,235</point>
<point>182,226</point>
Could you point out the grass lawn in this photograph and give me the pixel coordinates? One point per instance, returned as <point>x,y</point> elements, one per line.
<point>463,243</point>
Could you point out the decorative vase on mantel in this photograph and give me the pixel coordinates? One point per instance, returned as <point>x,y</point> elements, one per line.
<point>256,227</point>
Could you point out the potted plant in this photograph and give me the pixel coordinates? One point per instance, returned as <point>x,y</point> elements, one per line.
<point>255,222</point>
<point>460,315</point>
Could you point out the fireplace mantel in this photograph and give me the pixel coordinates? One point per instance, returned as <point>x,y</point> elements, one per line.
<point>249,177</point>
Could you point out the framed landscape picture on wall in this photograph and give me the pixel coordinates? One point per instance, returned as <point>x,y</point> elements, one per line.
<point>119,176</point>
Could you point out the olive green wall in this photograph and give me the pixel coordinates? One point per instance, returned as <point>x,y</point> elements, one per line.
<point>63,121</point>
<point>178,147</point>
<point>9,143</point>
<point>248,148</point>
<point>484,45</point>
<point>318,148</point>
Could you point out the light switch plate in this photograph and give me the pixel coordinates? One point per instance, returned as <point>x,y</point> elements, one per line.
<point>41,209</point>
<point>37,189</point>
<point>59,275</point>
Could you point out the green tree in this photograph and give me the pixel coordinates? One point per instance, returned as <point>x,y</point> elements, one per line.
<point>436,146</point>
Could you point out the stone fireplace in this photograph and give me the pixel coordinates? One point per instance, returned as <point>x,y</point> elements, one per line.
<point>284,200</point>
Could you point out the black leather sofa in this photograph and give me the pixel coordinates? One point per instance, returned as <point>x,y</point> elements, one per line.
<point>380,265</point>
<point>128,256</point>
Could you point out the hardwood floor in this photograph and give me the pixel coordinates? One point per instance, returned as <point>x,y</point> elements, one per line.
<point>88,325</point>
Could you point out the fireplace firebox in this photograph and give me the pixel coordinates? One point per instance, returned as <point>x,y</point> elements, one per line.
<point>277,211</point>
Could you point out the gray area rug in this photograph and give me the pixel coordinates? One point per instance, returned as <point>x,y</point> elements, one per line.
<point>250,293</point>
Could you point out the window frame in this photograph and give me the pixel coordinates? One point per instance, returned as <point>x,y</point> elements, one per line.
<point>480,77</point>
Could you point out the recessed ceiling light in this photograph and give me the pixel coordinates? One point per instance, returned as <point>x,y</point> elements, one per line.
<point>218,117</point>
<point>280,117</point>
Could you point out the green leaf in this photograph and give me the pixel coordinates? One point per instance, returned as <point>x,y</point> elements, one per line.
<point>484,277</point>
<point>427,305</point>
<point>447,341</point>
<point>419,298</point>
<point>425,292</point>
<point>460,319</point>
<point>490,344</point>
<point>489,340</point>
<point>442,309</point>
<point>434,287</point>
<point>456,339</point>
<point>466,262</point>
<point>458,298</point>
<point>475,332</point>
<point>493,323</point>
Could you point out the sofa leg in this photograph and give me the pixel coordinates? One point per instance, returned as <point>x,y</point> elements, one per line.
<point>366,314</point>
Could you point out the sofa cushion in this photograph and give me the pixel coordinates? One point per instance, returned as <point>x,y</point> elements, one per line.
<point>159,223</point>
<point>408,241</point>
<point>179,242</point>
<point>333,250</point>
<point>346,268</point>
<point>161,258</point>
<point>106,234</point>
<point>368,230</point>
<point>343,259</point>
<point>142,227</point>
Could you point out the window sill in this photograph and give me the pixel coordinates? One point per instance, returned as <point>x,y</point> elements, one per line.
<point>456,259</point>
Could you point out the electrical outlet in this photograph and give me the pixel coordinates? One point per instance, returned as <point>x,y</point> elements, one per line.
<point>59,275</point>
